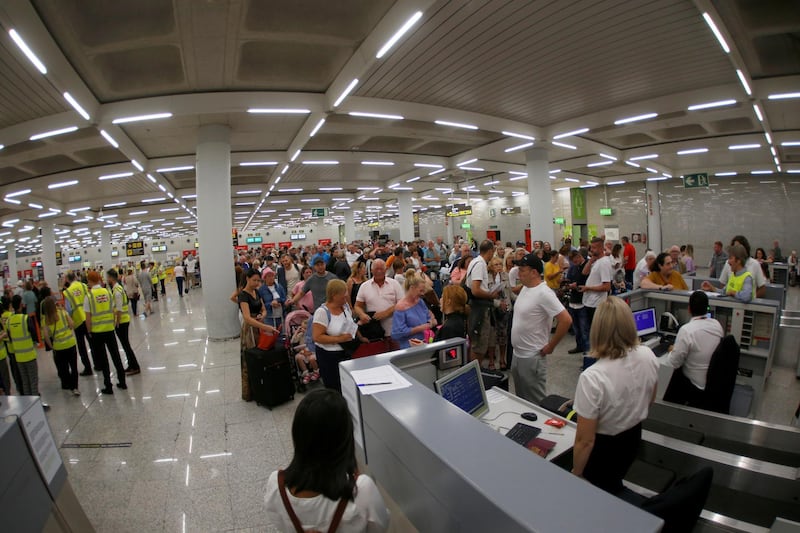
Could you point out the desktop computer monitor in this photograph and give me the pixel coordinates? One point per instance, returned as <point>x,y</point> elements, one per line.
<point>645,320</point>
<point>464,389</point>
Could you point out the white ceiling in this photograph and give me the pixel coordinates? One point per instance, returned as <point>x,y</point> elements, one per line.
<point>532,67</point>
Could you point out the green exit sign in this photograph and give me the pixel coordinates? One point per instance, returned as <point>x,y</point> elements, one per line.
<point>253,240</point>
<point>692,181</point>
<point>318,212</point>
<point>466,225</point>
<point>606,211</point>
<point>558,220</point>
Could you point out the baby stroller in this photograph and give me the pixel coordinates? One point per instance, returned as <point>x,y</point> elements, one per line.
<point>291,325</point>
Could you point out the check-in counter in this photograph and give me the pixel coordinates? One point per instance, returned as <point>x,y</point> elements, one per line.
<point>754,325</point>
<point>450,471</point>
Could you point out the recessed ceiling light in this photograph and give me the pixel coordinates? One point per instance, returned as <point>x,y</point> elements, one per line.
<point>518,135</point>
<point>783,96</point>
<point>456,124</point>
<point>62,184</point>
<point>18,193</point>
<point>640,157</point>
<point>175,169</point>
<point>692,151</point>
<point>709,105</point>
<point>635,118</point>
<point>564,145</point>
<point>138,118</point>
<point>611,157</point>
<point>375,115</point>
<point>115,204</point>
<point>279,111</point>
<point>253,191</point>
<point>570,133</point>
<point>743,80</point>
<point>398,34</point>
<point>27,51</point>
<point>378,163</point>
<point>137,165</point>
<point>743,146</point>
<point>619,182</point>
<point>320,162</point>
<point>600,163</point>
<point>53,133</point>
<point>74,103</point>
<point>115,176</point>
<point>519,147</point>
<point>346,91</point>
<point>717,33</point>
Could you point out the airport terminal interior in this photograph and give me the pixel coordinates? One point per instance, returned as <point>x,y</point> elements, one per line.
<point>157,126</point>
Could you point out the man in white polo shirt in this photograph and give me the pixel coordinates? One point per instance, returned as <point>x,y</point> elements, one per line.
<point>601,271</point>
<point>377,297</point>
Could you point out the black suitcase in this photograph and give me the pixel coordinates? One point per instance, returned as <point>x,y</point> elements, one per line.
<point>494,378</point>
<point>270,375</point>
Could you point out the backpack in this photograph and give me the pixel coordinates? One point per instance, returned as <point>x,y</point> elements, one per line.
<point>337,516</point>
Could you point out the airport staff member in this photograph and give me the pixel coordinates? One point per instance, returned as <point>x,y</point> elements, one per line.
<point>694,346</point>
<point>100,323</point>
<point>612,398</point>
<point>534,310</point>
<point>74,295</point>
<point>663,276</point>
<point>740,282</point>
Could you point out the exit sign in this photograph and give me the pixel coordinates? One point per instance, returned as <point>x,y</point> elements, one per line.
<point>606,211</point>
<point>692,181</point>
<point>318,212</point>
<point>558,220</point>
<point>253,240</point>
<point>466,225</point>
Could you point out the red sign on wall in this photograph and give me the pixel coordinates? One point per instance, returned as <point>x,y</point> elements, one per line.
<point>242,248</point>
<point>187,253</point>
<point>285,244</point>
<point>268,245</point>
<point>323,242</point>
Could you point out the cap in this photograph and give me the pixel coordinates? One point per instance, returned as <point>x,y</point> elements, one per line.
<point>533,261</point>
<point>266,271</point>
<point>318,260</point>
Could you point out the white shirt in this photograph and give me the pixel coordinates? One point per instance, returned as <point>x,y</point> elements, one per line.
<point>376,298</point>
<point>179,272</point>
<point>752,266</point>
<point>602,272</point>
<point>352,257</point>
<point>533,316</point>
<point>641,272</point>
<point>694,346</point>
<point>477,270</point>
<point>617,392</point>
<point>513,281</point>
<point>190,266</point>
<point>337,326</point>
<point>292,277</point>
<point>367,513</point>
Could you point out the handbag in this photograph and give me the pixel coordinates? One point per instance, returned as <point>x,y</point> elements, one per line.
<point>266,340</point>
<point>372,330</point>
<point>466,287</point>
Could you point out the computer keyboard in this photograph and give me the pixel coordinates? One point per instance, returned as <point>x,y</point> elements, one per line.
<point>523,433</point>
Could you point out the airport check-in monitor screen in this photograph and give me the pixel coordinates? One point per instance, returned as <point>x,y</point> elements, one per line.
<point>645,320</point>
<point>464,389</point>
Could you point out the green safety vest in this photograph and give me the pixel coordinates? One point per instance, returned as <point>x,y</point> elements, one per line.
<point>76,293</point>
<point>63,336</point>
<point>101,309</point>
<point>125,317</point>
<point>21,338</point>
<point>154,277</point>
<point>162,274</point>
<point>736,282</point>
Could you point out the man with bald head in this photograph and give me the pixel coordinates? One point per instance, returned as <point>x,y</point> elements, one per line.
<point>377,297</point>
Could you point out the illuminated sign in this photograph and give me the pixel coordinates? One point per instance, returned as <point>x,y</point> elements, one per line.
<point>134,248</point>
<point>459,210</point>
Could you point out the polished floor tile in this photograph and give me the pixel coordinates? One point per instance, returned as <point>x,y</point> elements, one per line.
<point>195,456</point>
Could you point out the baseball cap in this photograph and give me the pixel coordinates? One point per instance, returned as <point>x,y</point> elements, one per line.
<point>531,260</point>
<point>318,260</point>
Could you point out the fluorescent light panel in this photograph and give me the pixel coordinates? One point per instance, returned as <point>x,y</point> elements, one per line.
<point>693,151</point>
<point>640,157</point>
<point>375,115</point>
<point>278,111</point>
<point>27,51</point>
<point>138,118</point>
<point>709,105</point>
<point>398,34</point>
<point>600,163</point>
<point>331,162</point>
<point>175,169</point>
<point>783,96</point>
<point>571,133</point>
<point>62,184</point>
<point>347,91</point>
<point>378,163</point>
<point>564,145</point>
<point>743,146</point>
<point>518,135</point>
<point>743,80</point>
<point>317,127</point>
<point>109,138</point>
<point>519,147</point>
<point>456,124</point>
<point>258,163</point>
<point>53,133</point>
<point>74,103</point>
<point>18,193</point>
<point>636,118</point>
<point>115,176</point>
<point>717,33</point>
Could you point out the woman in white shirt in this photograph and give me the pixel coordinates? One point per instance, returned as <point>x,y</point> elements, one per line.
<point>612,398</point>
<point>332,325</point>
<point>323,477</point>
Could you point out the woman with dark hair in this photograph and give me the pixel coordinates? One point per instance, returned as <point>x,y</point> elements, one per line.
<point>455,311</point>
<point>59,334</point>
<point>761,257</point>
<point>663,277</point>
<point>252,309</point>
<point>321,488</point>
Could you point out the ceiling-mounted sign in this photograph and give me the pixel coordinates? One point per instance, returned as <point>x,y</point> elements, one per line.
<point>459,210</point>
<point>606,211</point>
<point>59,259</point>
<point>235,237</point>
<point>318,212</point>
<point>285,244</point>
<point>373,224</point>
<point>134,248</point>
<point>692,181</point>
<point>510,210</point>
<point>253,240</point>
<point>577,200</point>
<point>558,220</point>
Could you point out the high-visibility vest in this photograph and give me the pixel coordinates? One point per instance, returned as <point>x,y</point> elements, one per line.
<point>736,282</point>
<point>76,293</point>
<point>3,350</point>
<point>125,317</point>
<point>101,309</point>
<point>21,339</point>
<point>4,318</point>
<point>63,336</point>
<point>154,277</point>
<point>162,273</point>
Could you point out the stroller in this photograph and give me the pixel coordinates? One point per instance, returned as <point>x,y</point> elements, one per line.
<point>291,325</point>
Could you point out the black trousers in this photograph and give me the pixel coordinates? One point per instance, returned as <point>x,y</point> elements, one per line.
<point>163,290</point>
<point>328,362</point>
<point>80,336</point>
<point>100,341</point>
<point>134,305</point>
<point>122,335</point>
<point>15,373</point>
<point>67,367</point>
<point>179,281</point>
<point>155,291</point>
<point>611,458</point>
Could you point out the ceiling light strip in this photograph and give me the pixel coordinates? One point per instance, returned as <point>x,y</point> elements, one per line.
<point>398,34</point>
<point>139,118</point>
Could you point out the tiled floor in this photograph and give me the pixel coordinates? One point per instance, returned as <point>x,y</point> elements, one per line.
<point>199,456</point>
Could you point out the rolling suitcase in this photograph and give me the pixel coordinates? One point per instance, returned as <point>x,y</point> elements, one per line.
<point>270,376</point>
<point>494,378</point>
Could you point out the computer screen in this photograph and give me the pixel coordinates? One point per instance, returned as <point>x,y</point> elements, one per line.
<point>645,320</point>
<point>464,389</point>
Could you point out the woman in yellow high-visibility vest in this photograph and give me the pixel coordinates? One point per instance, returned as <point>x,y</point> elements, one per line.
<point>7,312</point>
<point>59,334</point>
<point>24,348</point>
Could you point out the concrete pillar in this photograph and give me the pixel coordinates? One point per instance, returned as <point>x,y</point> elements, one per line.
<point>12,265</point>
<point>406,212</point>
<point>540,196</point>
<point>213,166</point>
<point>49,256</point>
<point>349,225</point>
<point>450,232</point>
<point>653,216</point>
<point>105,249</point>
